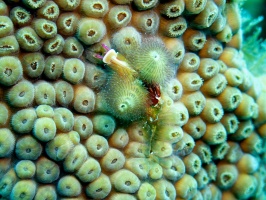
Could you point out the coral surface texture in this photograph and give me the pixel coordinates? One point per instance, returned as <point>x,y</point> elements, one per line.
<point>129,99</point>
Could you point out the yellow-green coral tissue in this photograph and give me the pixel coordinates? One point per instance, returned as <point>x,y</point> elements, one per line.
<point>132,100</point>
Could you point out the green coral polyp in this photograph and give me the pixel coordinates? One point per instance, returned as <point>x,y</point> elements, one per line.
<point>83,125</point>
<point>23,189</point>
<point>97,145</point>
<point>28,39</point>
<point>6,26</point>
<point>67,23</point>
<point>147,22</point>
<point>33,64</point>
<point>53,67</point>
<point>33,4</point>
<point>64,92</point>
<point>28,148</point>
<point>103,124</point>
<point>73,70</point>
<point>99,188</point>
<point>54,45</point>
<point>72,48</point>
<point>25,169</point>
<point>126,39</point>
<point>68,5</point>
<point>59,147</point>
<point>44,129</point>
<point>164,189</point>
<point>94,8</point>
<point>131,99</point>
<point>44,111</point>
<point>90,30</point>
<point>173,9</point>
<point>94,76</point>
<point>21,94</point>
<point>145,5</point>
<point>174,28</point>
<point>63,119</point>
<point>146,191</point>
<point>127,181</point>
<point>3,8</point>
<point>6,148</point>
<point>89,170</point>
<point>23,120</point>
<point>68,186</point>
<point>4,114</point>
<point>84,99</point>
<point>8,45</point>
<point>7,182</point>
<point>44,28</point>
<point>44,93</point>
<point>113,160</point>
<point>119,16</point>
<point>10,70</point>
<point>46,192</point>
<point>49,10</point>
<point>20,16</point>
<point>75,158</point>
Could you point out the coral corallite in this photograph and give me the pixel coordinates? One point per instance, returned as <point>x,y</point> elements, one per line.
<point>129,99</point>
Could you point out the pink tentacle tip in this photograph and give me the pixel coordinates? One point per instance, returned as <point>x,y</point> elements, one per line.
<point>105,47</point>
<point>98,56</point>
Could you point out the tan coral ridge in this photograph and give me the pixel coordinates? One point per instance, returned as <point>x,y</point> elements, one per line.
<point>205,139</point>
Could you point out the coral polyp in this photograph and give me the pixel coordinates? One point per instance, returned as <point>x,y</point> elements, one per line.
<point>131,100</point>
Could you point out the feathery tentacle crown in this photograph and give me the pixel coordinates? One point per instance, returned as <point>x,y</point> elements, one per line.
<point>138,75</point>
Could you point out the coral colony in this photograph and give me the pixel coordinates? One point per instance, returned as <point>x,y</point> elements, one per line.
<point>128,99</point>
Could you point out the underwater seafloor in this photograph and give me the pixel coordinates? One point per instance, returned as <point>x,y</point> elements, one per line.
<point>131,99</point>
